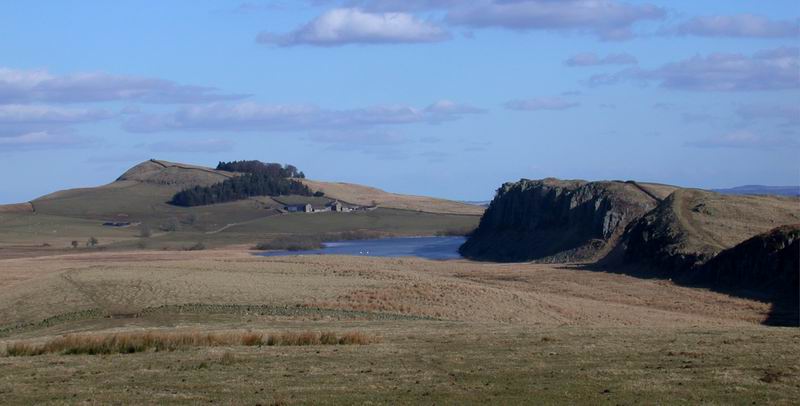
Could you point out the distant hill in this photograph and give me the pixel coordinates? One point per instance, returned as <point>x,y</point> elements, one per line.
<point>365,196</point>
<point>137,204</point>
<point>484,203</point>
<point>761,190</point>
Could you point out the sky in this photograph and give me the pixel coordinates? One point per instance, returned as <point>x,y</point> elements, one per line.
<point>447,98</point>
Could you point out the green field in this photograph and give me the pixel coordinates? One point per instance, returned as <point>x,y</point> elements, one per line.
<point>431,363</point>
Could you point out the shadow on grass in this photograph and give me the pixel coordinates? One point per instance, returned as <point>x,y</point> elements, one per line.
<point>785,310</point>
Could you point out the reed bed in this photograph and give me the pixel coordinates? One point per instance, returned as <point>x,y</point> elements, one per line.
<point>133,342</point>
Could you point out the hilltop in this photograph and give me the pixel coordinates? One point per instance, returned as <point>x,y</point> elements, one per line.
<point>139,198</point>
<point>760,190</point>
<point>692,226</point>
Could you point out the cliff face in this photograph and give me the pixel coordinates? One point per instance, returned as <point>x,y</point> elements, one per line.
<point>768,262</point>
<point>692,226</point>
<point>766,266</point>
<point>552,220</point>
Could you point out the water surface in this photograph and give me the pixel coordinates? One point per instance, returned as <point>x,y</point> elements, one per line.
<point>439,248</point>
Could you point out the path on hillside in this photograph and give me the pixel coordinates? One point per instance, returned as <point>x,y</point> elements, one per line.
<point>645,191</point>
<point>223,228</point>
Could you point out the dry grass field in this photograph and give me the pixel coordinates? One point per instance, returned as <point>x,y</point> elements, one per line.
<point>445,332</point>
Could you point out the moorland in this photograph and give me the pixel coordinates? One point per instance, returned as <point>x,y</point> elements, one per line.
<point>171,305</point>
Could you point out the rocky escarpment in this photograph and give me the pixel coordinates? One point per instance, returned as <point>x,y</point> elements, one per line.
<point>692,226</point>
<point>768,262</point>
<point>552,220</point>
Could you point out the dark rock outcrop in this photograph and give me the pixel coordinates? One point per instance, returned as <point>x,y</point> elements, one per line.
<point>551,220</point>
<point>692,226</point>
<point>768,262</point>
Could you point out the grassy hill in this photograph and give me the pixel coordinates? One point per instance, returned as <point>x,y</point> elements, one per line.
<point>365,196</point>
<point>140,196</point>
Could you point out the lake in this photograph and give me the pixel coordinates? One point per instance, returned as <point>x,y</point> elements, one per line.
<point>439,248</point>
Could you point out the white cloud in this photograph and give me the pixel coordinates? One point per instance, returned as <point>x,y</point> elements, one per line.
<point>44,114</point>
<point>592,59</point>
<point>251,116</point>
<point>343,26</point>
<point>41,140</point>
<point>546,103</point>
<point>741,25</point>
<point>774,69</point>
<point>26,86</point>
<point>406,5</point>
<point>608,19</point>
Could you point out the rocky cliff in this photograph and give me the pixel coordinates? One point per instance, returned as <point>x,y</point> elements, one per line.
<point>553,220</point>
<point>692,226</point>
<point>767,262</point>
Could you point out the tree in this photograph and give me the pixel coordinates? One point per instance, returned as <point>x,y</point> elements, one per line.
<point>240,187</point>
<point>92,242</point>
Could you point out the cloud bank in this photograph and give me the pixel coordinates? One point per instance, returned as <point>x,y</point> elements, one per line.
<point>773,69</point>
<point>251,116</point>
<point>742,26</point>
<point>607,19</point>
<point>27,86</point>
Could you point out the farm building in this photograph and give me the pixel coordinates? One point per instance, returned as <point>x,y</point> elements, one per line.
<point>300,208</point>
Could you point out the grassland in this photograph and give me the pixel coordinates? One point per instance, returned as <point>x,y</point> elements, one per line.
<point>449,332</point>
<point>25,234</point>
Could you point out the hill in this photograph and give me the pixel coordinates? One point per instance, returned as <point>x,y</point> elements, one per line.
<point>174,174</point>
<point>692,226</point>
<point>365,196</point>
<point>555,220</point>
<point>139,199</point>
<point>761,190</point>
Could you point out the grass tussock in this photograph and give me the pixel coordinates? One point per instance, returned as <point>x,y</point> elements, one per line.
<point>133,342</point>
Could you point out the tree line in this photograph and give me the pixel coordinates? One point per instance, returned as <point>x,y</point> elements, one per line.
<point>270,169</point>
<point>239,187</point>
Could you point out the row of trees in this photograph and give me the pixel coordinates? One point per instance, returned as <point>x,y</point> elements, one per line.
<point>269,169</point>
<point>240,187</point>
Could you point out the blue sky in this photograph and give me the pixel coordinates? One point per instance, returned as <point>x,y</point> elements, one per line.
<point>447,98</point>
